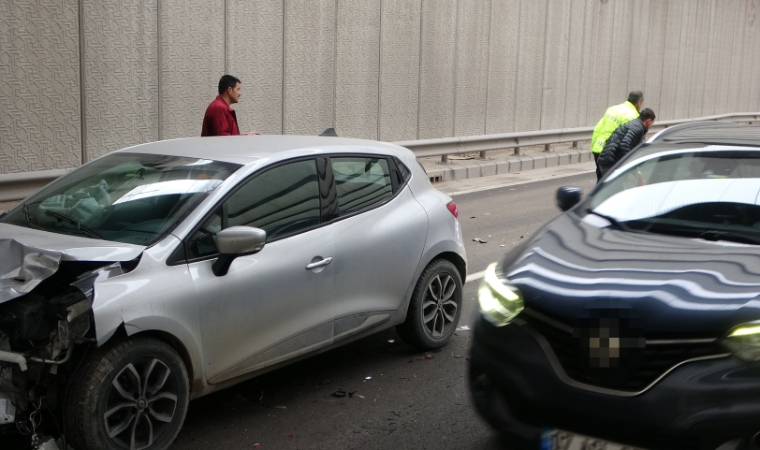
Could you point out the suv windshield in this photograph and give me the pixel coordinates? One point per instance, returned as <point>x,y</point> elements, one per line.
<point>125,197</point>
<point>712,193</point>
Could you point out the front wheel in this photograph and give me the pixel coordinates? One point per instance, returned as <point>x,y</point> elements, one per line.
<point>131,396</point>
<point>435,307</point>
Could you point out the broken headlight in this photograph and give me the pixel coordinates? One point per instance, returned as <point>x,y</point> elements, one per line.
<point>500,303</point>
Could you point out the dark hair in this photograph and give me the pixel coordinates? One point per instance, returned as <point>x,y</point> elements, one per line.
<point>227,81</point>
<point>635,96</point>
<point>645,114</point>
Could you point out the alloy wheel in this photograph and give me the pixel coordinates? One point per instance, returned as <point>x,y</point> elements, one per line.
<point>141,404</point>
<point>439,307</point>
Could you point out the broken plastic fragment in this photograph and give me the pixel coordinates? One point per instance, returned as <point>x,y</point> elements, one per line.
<point>463,328</point>
<point>428,357</point>
<point>391,341</point>
<point>339,393</point>
<point>478,240</point>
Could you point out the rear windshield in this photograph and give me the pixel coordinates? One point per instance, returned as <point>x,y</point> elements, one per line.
<point>125,197</point>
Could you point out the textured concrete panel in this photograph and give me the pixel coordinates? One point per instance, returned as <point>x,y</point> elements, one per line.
<point>309,66</point>
<point>655,55</point>
<point>192,60</point>
<point>530,64</point>
<point>121,74</point>
<point>599,79</point>
<point>700,35</point>
<point>709,104</point>
<point>737,54</point>
<point>724,42</point>
<point>358,66</point>
<point>686,50</point>
<point>39,85</point>
<point>670,63</point>
<point>439,20</point>
<point>555,65</point>
<point>621,51</point>
<point>400,69</point>
<point>754,31</point>
<point>637,65</point>
<point>579,64</point>
<point>471,67</point>
<point>254,54</point>
<point>502,70</point>
<point>749,54</point>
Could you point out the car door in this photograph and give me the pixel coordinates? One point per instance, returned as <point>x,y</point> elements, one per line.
<point>380,234</point>
<point>277,303</point>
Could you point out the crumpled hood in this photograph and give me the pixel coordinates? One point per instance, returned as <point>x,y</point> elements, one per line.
<point>28,256</point>
<point>676,285</point>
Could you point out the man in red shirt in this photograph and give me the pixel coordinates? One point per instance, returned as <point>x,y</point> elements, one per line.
<point>220,118</point>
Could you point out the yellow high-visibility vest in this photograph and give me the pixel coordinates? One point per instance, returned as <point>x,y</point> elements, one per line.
<point>613,118</point>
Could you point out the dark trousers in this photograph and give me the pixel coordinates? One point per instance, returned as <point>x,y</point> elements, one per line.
<point>598,171</point>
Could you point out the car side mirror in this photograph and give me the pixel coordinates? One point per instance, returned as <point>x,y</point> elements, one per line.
<point>568,196</point>
<point>236,241</point>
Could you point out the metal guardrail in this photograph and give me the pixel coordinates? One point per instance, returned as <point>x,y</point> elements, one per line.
<point>469,144</point>
<point>16,186</point>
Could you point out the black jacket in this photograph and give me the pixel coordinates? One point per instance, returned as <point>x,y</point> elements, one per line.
<point>623,140</point>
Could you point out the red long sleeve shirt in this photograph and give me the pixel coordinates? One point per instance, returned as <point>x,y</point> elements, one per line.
<point>220,120</point>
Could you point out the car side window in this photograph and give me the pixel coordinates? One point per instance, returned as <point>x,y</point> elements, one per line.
<point>362,183</point>
<point>281,201</point>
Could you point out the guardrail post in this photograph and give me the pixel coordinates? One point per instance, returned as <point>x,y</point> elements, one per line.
<point>483,154</point>
<point>575,144</point>
<point>517,151</point>
<point>547,147</point>
<point>444,159</point>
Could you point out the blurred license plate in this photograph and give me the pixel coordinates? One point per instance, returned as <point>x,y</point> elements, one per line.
<point>564,440</point>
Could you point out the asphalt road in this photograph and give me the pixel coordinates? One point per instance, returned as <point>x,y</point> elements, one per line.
<point>413,400</point>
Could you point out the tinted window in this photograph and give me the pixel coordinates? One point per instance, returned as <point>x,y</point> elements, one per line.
<point>362,183</point>
<point>281,201</point>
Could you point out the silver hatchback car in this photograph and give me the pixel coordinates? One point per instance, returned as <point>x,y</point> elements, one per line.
<point>166,271</point>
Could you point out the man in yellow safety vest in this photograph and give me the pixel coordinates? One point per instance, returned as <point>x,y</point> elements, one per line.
<point>613,118</point>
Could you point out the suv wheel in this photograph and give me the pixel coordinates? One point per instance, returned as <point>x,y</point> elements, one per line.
<point>435,307</point>
<point>133,395</point>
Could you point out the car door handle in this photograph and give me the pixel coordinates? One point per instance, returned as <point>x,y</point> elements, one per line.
<point>318,264</point>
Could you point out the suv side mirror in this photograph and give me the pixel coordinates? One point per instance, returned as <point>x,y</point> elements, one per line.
<point>568,196</point>
<point>236,241</point>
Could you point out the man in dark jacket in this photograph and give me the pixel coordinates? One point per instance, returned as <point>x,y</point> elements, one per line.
<point>625,139</point>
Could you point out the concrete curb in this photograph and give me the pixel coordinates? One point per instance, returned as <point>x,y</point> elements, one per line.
<point>475,168</point>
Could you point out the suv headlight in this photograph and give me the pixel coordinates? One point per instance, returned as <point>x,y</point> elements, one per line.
<point>744,342</point>
<point>499,303</point>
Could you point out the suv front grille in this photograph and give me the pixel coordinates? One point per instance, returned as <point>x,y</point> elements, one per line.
<point>657,357</point>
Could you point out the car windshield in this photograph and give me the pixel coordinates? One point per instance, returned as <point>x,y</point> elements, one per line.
<point>124,197</point>
<point>711,193</point>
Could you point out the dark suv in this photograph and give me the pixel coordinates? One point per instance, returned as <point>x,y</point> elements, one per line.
<point>633,320</point>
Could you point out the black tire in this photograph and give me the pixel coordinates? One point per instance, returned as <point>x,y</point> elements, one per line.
<point>416,330</point>
<point>160,382</point>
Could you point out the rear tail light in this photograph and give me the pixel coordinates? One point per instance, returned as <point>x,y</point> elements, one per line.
<point>452,207</point>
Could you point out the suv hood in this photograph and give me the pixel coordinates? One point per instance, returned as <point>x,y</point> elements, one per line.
<point>676,285</point>
<point>30,256</point>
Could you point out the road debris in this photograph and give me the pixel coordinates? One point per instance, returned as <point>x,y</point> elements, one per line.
<point>391,341</point>
<point>367,378</point>
<point>429,357</point>
<point>464,327</point>
<point>478,240</point>
<point>502,245</point>
<point>266,405</point>
<point>339,393</point>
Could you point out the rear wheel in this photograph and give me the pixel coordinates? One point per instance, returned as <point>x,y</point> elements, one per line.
<point>131,396</point>
<point>435,307</point>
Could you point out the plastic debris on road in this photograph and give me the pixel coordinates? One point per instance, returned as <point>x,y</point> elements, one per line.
<point>463,328</point>
<point>429,357</point>
<point>339,393</point>
<point>266,405</point>
<point>478,240</point>
<point>391,341</point>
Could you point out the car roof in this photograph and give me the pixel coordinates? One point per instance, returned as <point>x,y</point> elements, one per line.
<point>711,133</point>
<point>248,149</point>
